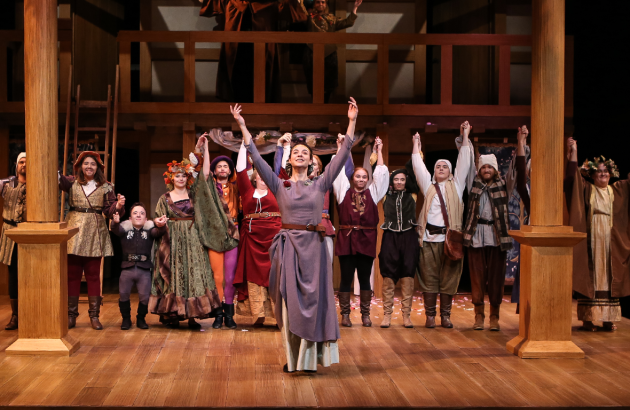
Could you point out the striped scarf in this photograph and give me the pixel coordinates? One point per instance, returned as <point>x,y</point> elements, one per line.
<point>499,201</point>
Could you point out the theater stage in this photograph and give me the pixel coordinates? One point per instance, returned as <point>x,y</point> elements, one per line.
<point>393,367</point>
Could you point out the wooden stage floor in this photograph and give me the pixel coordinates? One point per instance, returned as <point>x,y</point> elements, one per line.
<point>393,367</point>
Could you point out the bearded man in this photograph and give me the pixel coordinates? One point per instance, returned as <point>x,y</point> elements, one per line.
<point>13,191</point>
<point>486,237</point>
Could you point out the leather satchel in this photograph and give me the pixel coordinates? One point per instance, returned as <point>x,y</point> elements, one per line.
<point>454,243</point>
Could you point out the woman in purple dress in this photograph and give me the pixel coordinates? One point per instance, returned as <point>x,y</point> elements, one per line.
<point>300,281</point>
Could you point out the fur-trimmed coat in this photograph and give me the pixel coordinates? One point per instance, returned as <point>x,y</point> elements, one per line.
<point>136,241</point>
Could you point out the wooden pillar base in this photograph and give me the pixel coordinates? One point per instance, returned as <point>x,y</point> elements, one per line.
<point>43,284</point>
<point>546,286</point>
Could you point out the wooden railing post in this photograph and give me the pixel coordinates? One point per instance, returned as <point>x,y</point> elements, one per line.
<point>318,73</point>
<point>260,72</point>
<point>3,71</point>
<point>504,75</point>
<point>189,70</point>
<point>446,74</point>
<point>383,74</point>
<point>124,61</point>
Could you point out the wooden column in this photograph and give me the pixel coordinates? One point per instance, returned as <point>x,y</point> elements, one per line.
<point>42,242</point>
<point>189,139</point>
<point>4,169</point>
<point>546,245</point>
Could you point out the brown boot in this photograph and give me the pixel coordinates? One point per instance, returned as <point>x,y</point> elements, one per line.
<point>13,322</point>
<point>94,310</point>
<point>430,302</point>
<point>344,307</point>
<point>446,303</point>
<point>366,299</point>
<point>479,317</point>
<point>388,301</point>
<point>494,317</point>
<point>406,286</point>
<point>73,311</point>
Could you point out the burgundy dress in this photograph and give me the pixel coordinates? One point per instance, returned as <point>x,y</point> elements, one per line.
<point>256,237</point>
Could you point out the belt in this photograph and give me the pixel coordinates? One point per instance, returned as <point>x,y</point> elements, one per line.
<point>188,218</point>
<point>134,258</point>
<point>86,210</point>
<point>436,230</point>
<point>326,216</point>
<point>310,227</point>
<point>354,228</point>
<point>12,223</point>
<point>484,222</point>
<point>262,215</point>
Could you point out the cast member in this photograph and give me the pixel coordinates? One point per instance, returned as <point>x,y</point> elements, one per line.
<point>438,273</point>
<point>91,199</point>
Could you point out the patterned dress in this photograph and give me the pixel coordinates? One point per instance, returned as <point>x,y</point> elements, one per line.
<point>183,284</point>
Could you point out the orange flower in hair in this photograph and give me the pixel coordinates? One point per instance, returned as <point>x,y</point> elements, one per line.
<point>184,167</point>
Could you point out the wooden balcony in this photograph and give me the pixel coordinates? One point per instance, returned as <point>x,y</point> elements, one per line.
<point>383,56</point>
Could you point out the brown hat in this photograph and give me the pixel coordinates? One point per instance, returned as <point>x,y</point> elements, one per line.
<point>94,154</point>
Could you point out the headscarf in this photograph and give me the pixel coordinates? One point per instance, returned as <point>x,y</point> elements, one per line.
<point>448,163</point>
<point>19,157</point>
<point>489,159</point>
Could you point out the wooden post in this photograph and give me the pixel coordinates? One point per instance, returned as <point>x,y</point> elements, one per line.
<point>42,242</point>
<point>420,54</point>
<point>546,245</point>
<point>4,169</point>
<point>189,139</point>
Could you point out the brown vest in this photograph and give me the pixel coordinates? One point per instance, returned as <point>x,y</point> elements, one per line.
<point>357,209</point>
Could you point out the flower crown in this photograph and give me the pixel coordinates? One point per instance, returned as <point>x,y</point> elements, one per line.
<point>175,168</point>
<point>589,167</point>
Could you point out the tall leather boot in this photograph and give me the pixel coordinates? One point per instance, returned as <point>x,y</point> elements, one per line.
<point>94,310</point>
<point>143,309</point>
<point>73,311</point>
<point>446,303</point>
<point>430,302</point>
<point>406,285</point>
<point>13,322</point>
<point>228,309</point>
<point>218,319</point>
<point>366,299</point>
<point>344,307</point>
<point>388,301</point>
<point>479,317</point>
<point>494,317</point>
<point>125,312</point>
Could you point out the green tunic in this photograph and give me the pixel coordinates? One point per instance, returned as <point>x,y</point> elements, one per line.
<point>183,285</point>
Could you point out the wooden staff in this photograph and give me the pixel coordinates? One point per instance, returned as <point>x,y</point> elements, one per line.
<point>65,143</point>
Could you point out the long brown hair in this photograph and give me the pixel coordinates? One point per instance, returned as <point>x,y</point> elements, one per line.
<point>99,176</point>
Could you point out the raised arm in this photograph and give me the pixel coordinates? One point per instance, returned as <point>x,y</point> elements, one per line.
<point>341,24</point>
<point>336,164</point>
<point>423,176</point>
<point>265,171</point>
<point>463,162</point>
<point>65,182</point>
<point>341,185</point>
<point>521,167</point>
<point>379,188</point>
<point>571,171</point>
<point>282,150</point>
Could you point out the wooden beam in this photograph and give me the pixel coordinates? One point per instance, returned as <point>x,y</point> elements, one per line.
<point>260,71</point>
<point>383,75</point>
<point>65,54</point>
<point>420,54</point>
<point>189,141</point>
<point>3,71</point>
<point>504,75</point>
<point>146,77</point>
<point>446,75</point>
<point>318,73</point>
<point>124,61</point>
<point>189,71</point>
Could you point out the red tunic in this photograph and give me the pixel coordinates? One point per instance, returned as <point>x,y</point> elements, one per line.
<point>253,258</point>
<point>357,209</point>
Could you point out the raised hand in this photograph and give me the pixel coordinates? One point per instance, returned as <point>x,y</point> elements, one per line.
<point>521,137</point>
<point>121,202</point>
<point>378,145</point>
<point>466,128</point>
<point>340,138</point>
<point>236,112</point>
<point>353,110</point>
<point>357,3</point>
<point>116,218</point>
<point>285,139</point>
<point>203,140</point>
<point>161,221</point>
